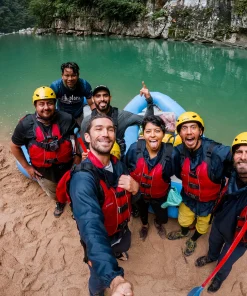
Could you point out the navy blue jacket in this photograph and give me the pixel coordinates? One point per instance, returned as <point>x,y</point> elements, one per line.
<point>218,170</point>
<point>231,205</point>
<point>90,221</point>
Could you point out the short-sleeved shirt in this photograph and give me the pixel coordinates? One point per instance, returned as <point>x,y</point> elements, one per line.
<point>72,100</point>
<point>24,134</point>
<point>124,120</point>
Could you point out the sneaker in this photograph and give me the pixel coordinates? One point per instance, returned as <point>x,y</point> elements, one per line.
<point>176,235</point>
<point>215,285</point>
<point>143,232</point>
<point>59,209</point>
<point>202,261</point>
<point>190,247</point>
<point>161,230</point>
<point>122,256</point>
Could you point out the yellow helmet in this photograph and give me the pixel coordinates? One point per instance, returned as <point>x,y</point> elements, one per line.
<point>240,139</point>
<point>116,150</point>
<point>43,93</point>
<point>188,117</point>
<point>175,140</point>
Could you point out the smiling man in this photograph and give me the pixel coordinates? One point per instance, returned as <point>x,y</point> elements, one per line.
<point>230,216</point>
<point>47,137</point>
<point>70,91</point>
<point>122,119</point>
<point>101,190</point>
<point>202,165</point>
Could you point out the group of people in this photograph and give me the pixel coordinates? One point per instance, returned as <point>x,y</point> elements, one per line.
<point>105,182</point>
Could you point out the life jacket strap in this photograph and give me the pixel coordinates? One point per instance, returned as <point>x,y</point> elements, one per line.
<point>193,186</point>
<point>193,196</point>
<point>145,185</point>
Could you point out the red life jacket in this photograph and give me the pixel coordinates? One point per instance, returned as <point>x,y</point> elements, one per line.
<point>241,219</point>
<point>152,184</point>
<point>196,184</point>
<point>46,149</point>
<point>115,202</point>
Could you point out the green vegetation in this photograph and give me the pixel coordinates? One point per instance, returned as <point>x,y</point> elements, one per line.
<point>18,14</point>
<point>14,15</point>
<point>43,11</point>
<point>159,13</point>
<point>120,10</point>
<point>240,7</point>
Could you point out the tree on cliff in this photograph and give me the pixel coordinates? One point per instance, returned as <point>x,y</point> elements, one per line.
<point>121,10</point>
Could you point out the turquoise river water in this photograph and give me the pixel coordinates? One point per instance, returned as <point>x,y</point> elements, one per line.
<point>210,80</point>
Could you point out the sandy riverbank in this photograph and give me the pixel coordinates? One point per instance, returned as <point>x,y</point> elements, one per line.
<point>41,255</point>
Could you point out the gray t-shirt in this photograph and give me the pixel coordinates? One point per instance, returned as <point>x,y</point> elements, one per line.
<point>125,119</point>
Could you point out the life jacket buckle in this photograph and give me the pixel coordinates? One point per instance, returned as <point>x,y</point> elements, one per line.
<point>147,177</point>
<point>193,196</point>
<point>192,175</point>
<point>123,208</point>
<point>193,186</point>
<point>51,161</point>
<point>144,185</point>
<point>120,194</point>
<point>240,218</point>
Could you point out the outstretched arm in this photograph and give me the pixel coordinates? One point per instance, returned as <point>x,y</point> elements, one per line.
<point>150,107</point>
<point>90,221</point>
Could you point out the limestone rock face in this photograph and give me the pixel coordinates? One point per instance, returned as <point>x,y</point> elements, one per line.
<point>203,21</point>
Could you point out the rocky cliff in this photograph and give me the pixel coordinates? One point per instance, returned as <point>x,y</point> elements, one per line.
<point>206,21</point>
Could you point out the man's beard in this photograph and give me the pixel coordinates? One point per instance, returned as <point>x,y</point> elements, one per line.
<point>241,170</point>
<point>45,120</point>
<point>99,149</point>
<point>105,109</point>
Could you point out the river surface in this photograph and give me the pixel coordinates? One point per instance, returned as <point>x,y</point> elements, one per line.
<point>210,80</point>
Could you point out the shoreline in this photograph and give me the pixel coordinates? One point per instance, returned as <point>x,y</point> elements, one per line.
<point>78,33</point>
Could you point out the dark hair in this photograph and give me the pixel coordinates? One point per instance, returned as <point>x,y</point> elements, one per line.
<point>234,148</point>
<point>98,116</point>
<point>99,88</point>
<point>72,66</point>
<point>155,120</point>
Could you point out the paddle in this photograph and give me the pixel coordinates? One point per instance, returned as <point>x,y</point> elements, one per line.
<point>76,132</point>
<point>197,290</point>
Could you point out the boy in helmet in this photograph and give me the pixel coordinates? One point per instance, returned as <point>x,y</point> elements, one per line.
<point>230,216</point>
<point>46,135</point>
<point>202,165</point>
